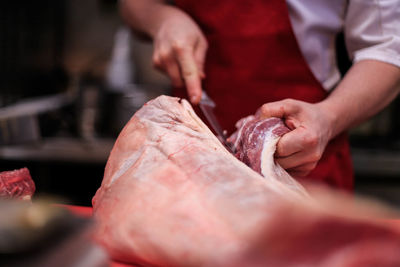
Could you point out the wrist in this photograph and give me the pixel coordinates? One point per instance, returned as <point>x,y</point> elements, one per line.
<point>147,16</point>
<point>331,117</point>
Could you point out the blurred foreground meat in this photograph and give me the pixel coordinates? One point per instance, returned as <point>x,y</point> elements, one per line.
<point>172,195</point>
<point>16,184</point>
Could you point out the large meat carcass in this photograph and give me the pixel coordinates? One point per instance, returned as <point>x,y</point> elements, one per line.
<point>172,195</point>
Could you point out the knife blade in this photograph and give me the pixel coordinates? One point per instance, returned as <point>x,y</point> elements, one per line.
<point>207,106</point>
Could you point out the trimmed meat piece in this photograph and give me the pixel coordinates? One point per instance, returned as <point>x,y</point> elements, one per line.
<point>254,143</point>
<point>252,138</point>
<point>16,184</point>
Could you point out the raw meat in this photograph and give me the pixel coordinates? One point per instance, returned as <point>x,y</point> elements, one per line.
<point>251,137</point>
<point>338,231</point>
<point>255,141</point>
<point>172,195</point>
<point>16,184</point>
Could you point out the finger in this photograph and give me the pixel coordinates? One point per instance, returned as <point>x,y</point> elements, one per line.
<point>173,71</point>
<point>164,60</point>
<point>305,168</point>
<point>298,173</point>
<point>292,142</point>
<point>189,74</point>
<point>300,161</point>
<point>160,57</point>
<point>157,61</point>
<point>200,55</point>
<point>302,170</point>
<point>280,109</point>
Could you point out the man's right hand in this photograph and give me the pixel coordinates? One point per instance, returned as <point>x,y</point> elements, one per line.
<point>179,50</point>
<point>179,45</point>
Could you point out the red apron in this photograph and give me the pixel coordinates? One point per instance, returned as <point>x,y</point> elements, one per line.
<point>253,58</point>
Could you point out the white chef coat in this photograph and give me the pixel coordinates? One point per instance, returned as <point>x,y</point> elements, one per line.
<point>371,27</point>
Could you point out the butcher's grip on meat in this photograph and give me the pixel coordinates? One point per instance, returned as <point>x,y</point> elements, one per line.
<point>255,142</point>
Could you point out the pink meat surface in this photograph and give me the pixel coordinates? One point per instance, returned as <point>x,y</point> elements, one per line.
<point>16,184</point>
<point>172,195</point>
<point>252,136</point>
<point>254,143</point>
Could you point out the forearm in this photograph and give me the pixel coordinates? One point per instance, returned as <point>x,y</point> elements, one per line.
<point>365,90</point>
<point>146,16</point>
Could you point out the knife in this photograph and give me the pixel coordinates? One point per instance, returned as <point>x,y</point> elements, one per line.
<point>207,106</point>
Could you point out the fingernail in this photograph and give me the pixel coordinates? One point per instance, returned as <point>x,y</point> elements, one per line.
<point>193,99</point>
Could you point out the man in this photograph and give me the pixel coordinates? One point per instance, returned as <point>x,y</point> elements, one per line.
<point>247,54</point>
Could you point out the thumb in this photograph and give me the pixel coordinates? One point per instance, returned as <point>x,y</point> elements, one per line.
<point>280,109</point>
<point>290,143</point>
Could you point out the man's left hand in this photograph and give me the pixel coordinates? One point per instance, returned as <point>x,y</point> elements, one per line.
<point>300,150</point>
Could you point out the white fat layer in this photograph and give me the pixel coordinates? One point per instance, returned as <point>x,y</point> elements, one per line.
<point>267,162</point>
<point>157,117</point>
<point>127,163</point>
<point>269,168</point>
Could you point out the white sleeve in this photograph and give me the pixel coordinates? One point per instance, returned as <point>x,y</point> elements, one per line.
<point>372,30</point>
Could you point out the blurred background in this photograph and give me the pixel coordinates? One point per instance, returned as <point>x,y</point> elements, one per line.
<point>71,76</point>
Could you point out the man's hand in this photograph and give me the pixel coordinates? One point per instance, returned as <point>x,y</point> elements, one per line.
<point>179,45</point>
<point>300,150</point>
<point>368,87</point>
<point>179,50</point>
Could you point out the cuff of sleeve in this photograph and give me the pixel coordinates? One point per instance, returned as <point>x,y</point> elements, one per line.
<point>332,81</point>
<point>386,57</point>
